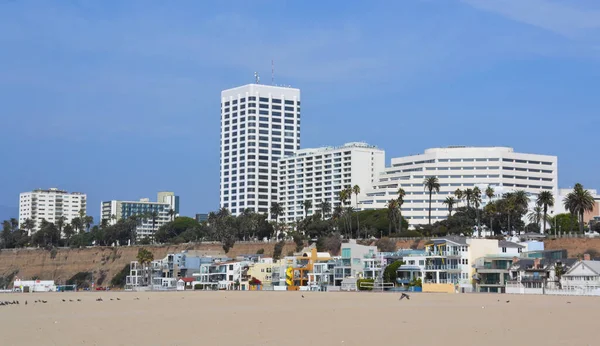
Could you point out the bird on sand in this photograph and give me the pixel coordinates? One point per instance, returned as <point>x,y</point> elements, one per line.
<point>303,296</point>
<point>508,301</point>
<point>404,295</point>
<point>78,300</point>
<point>118,298</point>
<point>63,300</point>
<point>25,302</point>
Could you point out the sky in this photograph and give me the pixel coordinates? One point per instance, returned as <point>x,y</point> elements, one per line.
<point>121,99</point>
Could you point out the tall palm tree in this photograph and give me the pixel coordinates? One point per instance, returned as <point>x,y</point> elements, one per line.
<point>356,191</point>
<point>489,192</point>
<point>306,205</point>
<point>276,211</point>
<point>521,203</point>
<point>431,184</point>
<point>449,202</point>
<point>60,223</point>
<point>325,207</point>
<point>477,202</point>
<point>29,225</point>
<point>343,195</point>
<point>400,199</point>
<point>171,213</point>
<point>578,202</point>
<point>545,199</point>
<point>144,258</point>
<point>89,221</point>
<point>459,196</point>
<point>468,196</point>
<point>392,206</point>
<point>508,207</point>
<point>535,216</point>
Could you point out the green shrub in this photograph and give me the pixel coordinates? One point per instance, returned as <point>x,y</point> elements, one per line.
<point>198,286</point>
<point>359,281</point>
<point>119,279</point>
<point>260,251</point>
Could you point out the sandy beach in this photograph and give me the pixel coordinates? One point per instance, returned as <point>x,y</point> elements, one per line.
<point>285,318</point>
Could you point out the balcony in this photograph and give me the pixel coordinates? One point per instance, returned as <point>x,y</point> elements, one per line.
<point>442,253</point>
<point>442,267</point>
<point>532,278</point>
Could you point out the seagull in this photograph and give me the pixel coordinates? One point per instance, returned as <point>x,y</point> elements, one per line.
<point>508,301</point>
<point>99,299</point>
<point>63,300</point>
<point>25,302</point>
<point>118,298</point>
<point>303,296</point>
<point>71,300</point>
<point>111,299</point>
<point>78,300</point>
<point>404,295</point>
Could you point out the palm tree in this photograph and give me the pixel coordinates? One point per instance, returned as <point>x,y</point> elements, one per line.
<point>144,258</point>
<point>392,206</point>
<point>477,202</point>
<point>276,210</point>
<point>459,196</point>
<point>88,220</point>
<point>171,213</point>
<point>489,192</point>
<point>449,202</point>
<point>508,206</point>
<point>545,199</point>
<point>60,223</point>
<point>468,196</point>
<point>578,202</point>
<point>356,191</point>
<point>535,216</point>
<point>325,208</point>
<point>401,194</point>
<point>29,225</point>
<point>307,204</point>
<point>521,202</point>
<point>431,184</point>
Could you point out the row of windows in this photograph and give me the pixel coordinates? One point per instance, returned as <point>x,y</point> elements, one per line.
<point>261,99</point>
<point>274,115</point>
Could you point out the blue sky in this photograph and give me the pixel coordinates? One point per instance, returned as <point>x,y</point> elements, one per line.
<point>120,99</point>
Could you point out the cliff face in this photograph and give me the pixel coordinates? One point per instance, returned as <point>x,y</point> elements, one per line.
<point>61,264</point>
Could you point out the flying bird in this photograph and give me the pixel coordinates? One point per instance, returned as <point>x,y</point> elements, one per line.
<point>404,295</point>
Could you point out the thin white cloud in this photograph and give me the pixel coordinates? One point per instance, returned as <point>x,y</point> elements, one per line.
<point>556,16</point>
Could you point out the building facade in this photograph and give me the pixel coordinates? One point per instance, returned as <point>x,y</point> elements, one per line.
<point>151,215</point>
<point>319,174</point>
<point>260,124</point>
<point>50,205</point>
<point>459,168</point>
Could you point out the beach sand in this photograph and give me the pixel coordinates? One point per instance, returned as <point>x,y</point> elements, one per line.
<point>285,318</point>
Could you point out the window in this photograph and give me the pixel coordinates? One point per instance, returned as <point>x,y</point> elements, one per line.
<point>504,249</point>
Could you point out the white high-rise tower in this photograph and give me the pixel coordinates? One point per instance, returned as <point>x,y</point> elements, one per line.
<point>260,124</point>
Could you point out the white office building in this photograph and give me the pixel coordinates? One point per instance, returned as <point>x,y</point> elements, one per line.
<point>50,205</point>
<point>260,124</point>
<point>151,215</point>
<point>459,168</point>
<point>319,174</point>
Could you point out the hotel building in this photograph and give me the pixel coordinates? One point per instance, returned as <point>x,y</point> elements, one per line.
<point>319,174</point>
<point>50,205</point>
<point>166,201</point>
<point>260,124</point>
<point>459,168</point>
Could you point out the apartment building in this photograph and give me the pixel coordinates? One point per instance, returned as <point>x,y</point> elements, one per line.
<point>165,209</point>
<point>50,205</point>
<point>319,174</point>
<point>459,168</point>
<point>260,124</point>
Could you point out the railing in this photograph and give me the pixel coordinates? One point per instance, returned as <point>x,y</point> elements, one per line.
<point>442,253</point>
<point>441,267</point>
<point>532,278</point>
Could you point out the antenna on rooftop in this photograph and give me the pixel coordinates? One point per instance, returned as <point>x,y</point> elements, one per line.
<point>256,78</point>
<point>272,72</point>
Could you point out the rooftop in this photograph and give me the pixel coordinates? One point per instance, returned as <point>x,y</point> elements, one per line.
<point>350,145</point>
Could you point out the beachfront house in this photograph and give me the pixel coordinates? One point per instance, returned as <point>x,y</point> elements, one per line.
<point>535,275</point>
<point>352,261</point>
<point>492,273</point>
<point>584,275</point>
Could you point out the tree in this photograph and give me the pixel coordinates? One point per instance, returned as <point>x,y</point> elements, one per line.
<point>392,207</point>
<point>578,202</point>
<point>431,184</point>
<point>145,257</point>
<point>449,202</point>
<point>276,210</point>
<point>401,194</point>
<point>88,220</point>
<point>325,208</point>
<point>277,249</point>
<point>356,191</point>
<point>535,216</point>
<point>489,192</point>
<point>545,199</point>
<point>171,213</point>
<point>468,196</point>
<point>559,271</point>
<point>153,215</point>
<point>77,224</point>
<point>306,205</point>
<point>390,272</point>
<point>29,225</point>
<point>477,203</point>
<point>459,196</point>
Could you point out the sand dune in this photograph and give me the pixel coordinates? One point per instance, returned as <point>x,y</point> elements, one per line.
<point>285,318</point>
